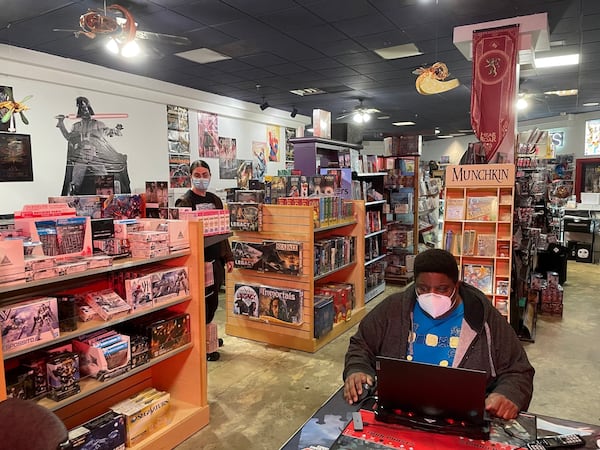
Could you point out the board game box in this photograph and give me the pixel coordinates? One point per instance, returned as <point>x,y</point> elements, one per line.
<point>282,257</point>
<point>247,255</point>
<point>246,299</point>
<point>245,216</point>
<point>283,305</point>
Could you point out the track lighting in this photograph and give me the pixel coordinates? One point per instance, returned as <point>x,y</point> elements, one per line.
<point>294,112</point>
<point>264,105</point>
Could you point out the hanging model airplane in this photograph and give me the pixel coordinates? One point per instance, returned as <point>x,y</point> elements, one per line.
<point>116,22</point>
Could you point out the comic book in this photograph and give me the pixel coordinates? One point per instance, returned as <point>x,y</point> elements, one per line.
<point>479,275</point>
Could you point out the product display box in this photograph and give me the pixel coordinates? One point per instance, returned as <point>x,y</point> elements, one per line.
<point>169,283</point>
<point>285,305</point>
<point>166,330</point>
<point>145,413</point>
<point>249,195</point>
<point>324,315</point>
<point>84,205</point>
<point>178,236</point>
<point>107,304</point>
<point>101,354</point>
<point>247,255</point>
<point>29,323</point>
<point>245,216</point>
<point>12,257</point>
<point>246,299</point>
<point>282,257</point>
<point>105,432</point>
<point>63,375</point>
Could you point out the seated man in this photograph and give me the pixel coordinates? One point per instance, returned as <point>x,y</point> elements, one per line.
<point>439,320</point>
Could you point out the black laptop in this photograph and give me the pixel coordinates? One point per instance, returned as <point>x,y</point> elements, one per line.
<point>434,398</point>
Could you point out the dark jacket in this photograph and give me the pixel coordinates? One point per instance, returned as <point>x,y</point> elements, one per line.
<point>222,250</point>
<point>487,342</point>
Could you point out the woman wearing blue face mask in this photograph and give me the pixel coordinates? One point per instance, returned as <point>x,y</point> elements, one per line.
<point>440,320</point>
<point>198,197</point>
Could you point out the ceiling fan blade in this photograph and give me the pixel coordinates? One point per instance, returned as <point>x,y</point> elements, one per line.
<point>344,115</point>
<point>150,35</point>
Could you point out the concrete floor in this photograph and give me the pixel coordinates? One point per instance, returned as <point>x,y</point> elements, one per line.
<point>260,395</point>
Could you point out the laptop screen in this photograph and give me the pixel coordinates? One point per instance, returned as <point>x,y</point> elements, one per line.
<point>430,390</point>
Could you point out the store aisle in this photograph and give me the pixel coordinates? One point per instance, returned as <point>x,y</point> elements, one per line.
<point>260,395</point>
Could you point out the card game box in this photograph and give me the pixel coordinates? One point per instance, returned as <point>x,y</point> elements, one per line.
<point>29,323</point>
<point>246,299</point>
<point>282,257</point>
<point>282,304</point>
<point>324,315</point>
<point>249,195</point>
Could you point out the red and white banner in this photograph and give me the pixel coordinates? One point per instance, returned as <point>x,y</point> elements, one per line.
<point>494,84</point>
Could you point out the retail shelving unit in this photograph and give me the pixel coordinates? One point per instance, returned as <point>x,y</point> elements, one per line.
<point>296,223</point>
<point>312,153</point>
<point>181,372</point>
<point>478,226</point>
<point>402,219</point>
<point>375,229</point>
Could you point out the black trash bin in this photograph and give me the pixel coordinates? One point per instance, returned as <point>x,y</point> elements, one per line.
<point>554,260</point>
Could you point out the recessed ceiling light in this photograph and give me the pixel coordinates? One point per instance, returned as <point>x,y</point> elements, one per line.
<point>465,131</point>
<point>591,104</point>
<point>554,61</point>
<point>402,124</point>
<point>398,51</point>
<point>203,55</point>
<point>444,136</point>
<point>382,117</point>
<point>308,91</point>
<point>563,93</point>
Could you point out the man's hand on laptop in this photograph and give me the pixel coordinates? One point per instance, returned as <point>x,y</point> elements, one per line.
<point>498,405</point>
<point>354,386</point>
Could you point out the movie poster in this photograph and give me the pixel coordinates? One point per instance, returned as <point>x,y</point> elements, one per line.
<point>259,163</point>
<point>15,157</point>
<point>208,135</point>
<point>273,141</point>
<point>178,139</point>
<point>228,163</point>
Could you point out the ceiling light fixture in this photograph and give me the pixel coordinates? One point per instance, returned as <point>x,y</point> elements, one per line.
<point>554,61</point>
<point>522,104</point>
<point>294,112</point>
<point>591,104</point>
<point>361,117</point>
<point>563,93</point>
<point>403,124</point>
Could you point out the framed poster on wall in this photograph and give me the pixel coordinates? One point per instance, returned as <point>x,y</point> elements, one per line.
<point>15,157</point>
<point>587,176</point>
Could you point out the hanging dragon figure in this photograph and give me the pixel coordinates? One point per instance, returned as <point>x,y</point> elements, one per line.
<point>9,107</point>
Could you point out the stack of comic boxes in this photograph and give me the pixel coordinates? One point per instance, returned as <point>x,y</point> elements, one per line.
<point>103,354</point>
<point>144,413</point>
<point>343,298</point>
<point>148,244</point>
<point>552,296</point>
<point>103,432</point>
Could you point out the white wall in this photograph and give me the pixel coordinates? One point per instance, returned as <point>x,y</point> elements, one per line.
<point>56,82</point>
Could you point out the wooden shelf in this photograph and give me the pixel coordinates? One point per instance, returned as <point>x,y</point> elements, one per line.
<point>181,372</point>
<point>295,223</point>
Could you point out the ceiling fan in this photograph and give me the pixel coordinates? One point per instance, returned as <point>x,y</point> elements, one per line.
<point>360,114</point>
<point>118,25</point>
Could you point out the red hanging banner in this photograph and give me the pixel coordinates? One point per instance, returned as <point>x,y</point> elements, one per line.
<point>493,87</point>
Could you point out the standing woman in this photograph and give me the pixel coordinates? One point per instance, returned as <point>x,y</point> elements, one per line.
<point>220,253</point>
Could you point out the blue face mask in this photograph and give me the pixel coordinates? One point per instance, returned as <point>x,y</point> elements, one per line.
<point>201,183</point>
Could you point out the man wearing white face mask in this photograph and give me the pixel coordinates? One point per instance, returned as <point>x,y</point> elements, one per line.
<point>440,320</point>
<point>198,197</point>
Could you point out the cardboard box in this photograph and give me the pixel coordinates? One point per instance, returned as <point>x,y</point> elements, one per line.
<point>106,432</point>
<point>29,323</point>
<point>590,197</point>
<point>324,314</point>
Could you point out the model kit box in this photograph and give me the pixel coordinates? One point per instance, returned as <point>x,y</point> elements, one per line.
<point>107,304</point>
<point>138,292</point>
<point>144,414</point>
<point>29,323</point>
<point>103,355</point>
<point>166,331</point>
<point>63,375</point>
<point>106,432</point>
<point>170,283</point>
<point>12,259</point>
<point>177,231</point>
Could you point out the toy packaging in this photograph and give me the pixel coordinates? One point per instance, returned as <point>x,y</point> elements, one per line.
<point>63,375</point>
<point>106,432</point>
